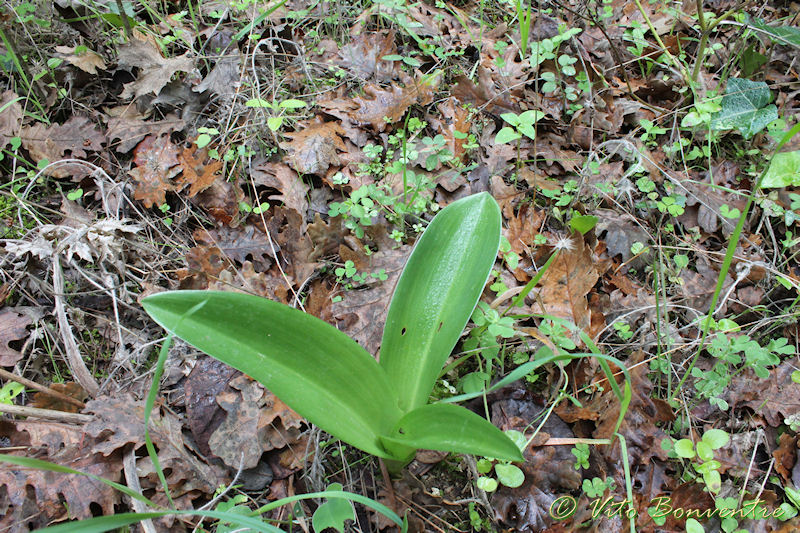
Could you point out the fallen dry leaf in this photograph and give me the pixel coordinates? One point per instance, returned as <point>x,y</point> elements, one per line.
<point>564,287</point>
<point>88,61</point>
<point>76,136</point>
<point>13,327</point>
<point>292,188</point>
<point>157,163</point>
<point>208,378</point>
<point>239,244</point>
<point>131,130</point>
<point>313,149</point>
<point>268,284</point>
<point>10,118</point>
<point>198,172</point>
<point>34,498</point>
<point>380,107</point>
<point>774,398</point>
<point>361,313</point>
<point>221,200</point>
<point>361,57</point>
<point>155,70</point>
<point>71,389</point>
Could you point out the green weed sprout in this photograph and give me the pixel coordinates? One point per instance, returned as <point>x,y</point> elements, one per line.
<point>380,408</point>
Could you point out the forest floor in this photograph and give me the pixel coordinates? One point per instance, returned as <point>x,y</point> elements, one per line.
<point>296,150</point>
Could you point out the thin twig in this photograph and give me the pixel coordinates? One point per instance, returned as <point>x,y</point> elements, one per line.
<point>46,414</point>
<point>41,388</point>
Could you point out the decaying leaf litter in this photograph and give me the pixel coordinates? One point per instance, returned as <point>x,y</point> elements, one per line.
<point>297,158</point>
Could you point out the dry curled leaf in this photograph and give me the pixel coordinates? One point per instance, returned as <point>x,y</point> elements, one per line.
<point>88,60</point>
<point>239,244</point>
<point>313,149</point>
<point>362,57</point>
<point>10,118</point>
<point>71,389</point>
<point>278,176</point>
<point>155,70</point>
<point>157,163</point>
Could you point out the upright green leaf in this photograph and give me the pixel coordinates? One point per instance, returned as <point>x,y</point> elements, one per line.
<point>745,107</point>
<point>436,294</point>
<point>316,369</point>
<point>333,513</point>
<point>450,428</point>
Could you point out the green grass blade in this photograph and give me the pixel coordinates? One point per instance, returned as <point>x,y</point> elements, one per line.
<point>436,294</point>
<point>316,369</point>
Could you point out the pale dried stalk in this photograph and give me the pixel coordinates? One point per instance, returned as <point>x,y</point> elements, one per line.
<point>74,360</point>
<point>45,414</point>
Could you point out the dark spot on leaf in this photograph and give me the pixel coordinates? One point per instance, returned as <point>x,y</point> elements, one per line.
<point>440,327</point>
<point>403,331</point>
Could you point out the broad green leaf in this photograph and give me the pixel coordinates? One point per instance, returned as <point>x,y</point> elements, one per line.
<point>333,513</point>
<point>436,294</point>
<point>511,118</point>
<point>583,223</point>
<point>258,102</point>
<point>784,170</point>
<point>509,475</point>
<point>313,367</point>
<point>274,123</point>
<point>684,448</point>
<point>506,135</point>
<point>745,107</point>
<point>716,438</point>
<point>487,484</point>
<point>781,34</point>
<point>292,103</point>
<point>451,428</point>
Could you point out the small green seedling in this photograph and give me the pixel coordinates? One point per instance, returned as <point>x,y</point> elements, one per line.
<point>703,451</point>
<point>380,408</point>
<point>506,473</point>
<point>523,124</point>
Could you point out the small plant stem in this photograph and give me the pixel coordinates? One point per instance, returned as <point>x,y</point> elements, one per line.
<point>657,37</point>
<point>124,16</point>
<point>726,262</point>
<point>627,469</point>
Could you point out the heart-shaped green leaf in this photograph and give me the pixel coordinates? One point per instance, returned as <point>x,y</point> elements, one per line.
<point>314,368</point>
<point>436,294</point>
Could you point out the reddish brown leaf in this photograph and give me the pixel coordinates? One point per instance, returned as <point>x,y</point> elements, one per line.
<point>221,201</point>
<point>157,163</point>
<point>269,284</point>
<point>71,389</point>
<point>198,173</point>
<point>564,287</point>
<point>239,244</point>
<point>279,176</point>
<point>13,327</point>
<point>313,149</point>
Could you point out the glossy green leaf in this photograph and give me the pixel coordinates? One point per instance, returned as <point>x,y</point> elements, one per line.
<point>314,368</point>
<point>509,475</point>
<point>436,294</point>
<point>333,513</point>
<point>745,107</point>
<point>506,135</point>
<point>451,428</point>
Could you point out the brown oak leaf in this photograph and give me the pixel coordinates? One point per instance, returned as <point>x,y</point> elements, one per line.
<point>362,57</point>
<point>132,129</point>
<point>157,163</point>
<point>10,118</point>
<point>563,289</point>
<point>292,189</point>
<point>155,70</point>
<point>198,173</point>
<point>88,61</point>
<point>313,149</point>
<point>380,107</point>
<point>76,136</point>
<point>13,327</point>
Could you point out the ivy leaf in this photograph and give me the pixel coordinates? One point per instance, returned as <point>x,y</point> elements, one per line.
<point>745,107</point>
<point>784,170</point>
